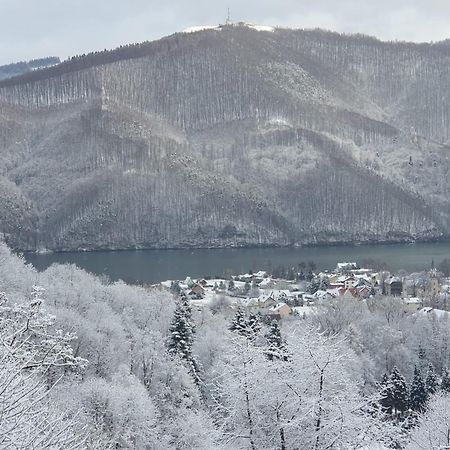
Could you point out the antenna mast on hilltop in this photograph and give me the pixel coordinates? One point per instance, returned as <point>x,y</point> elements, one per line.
<point>228,22</point>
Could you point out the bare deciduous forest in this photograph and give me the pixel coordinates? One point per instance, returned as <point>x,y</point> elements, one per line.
<point>228,137</point>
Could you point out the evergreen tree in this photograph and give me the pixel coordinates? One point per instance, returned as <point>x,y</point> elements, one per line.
<point>385,394</point>
<point>431,381</point>
<point>418,392</point>
<point>231,286</point>
<point>248,327</point>
<point>239,322</point>
<point>399,391</point>
<point>254,324</point>
<point>182,332</point>
<point>445,383</point>
<point>222,285</point>
<point>314,286</point>
<point>324,283</point>
<point>290,274</point>
<point>247,287</point>
<point>175,287</point>
<point>276,346</point>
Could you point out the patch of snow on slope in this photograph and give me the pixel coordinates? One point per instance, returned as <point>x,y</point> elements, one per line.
<point>260,27</point>
<point>201,28</point>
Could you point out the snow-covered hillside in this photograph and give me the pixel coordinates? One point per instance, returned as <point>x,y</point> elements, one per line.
<point>229,138</point>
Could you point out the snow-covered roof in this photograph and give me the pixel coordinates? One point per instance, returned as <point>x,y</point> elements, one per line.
<point>394,280</point>
<point>260,274</point>
<point>440,313</point>
<point>320,294</point>
<point>412,300</point>
<point>344,265</point>
<point>265,282</point>
<point>277,306</point>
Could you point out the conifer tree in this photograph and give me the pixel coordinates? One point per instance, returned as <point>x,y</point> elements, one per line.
<point>231,286</point>
<point>431,381</point>
<point>182,332</point>
<point>276,346</point>
<point>254,324</point>
<point>445,383</point>
<point>422,357</point>
<point>399,391</point>
<point>418,392</point>
<point>175,287</point>
<point>239,322</point>
<point>248,327</point>
<point>385,394</point>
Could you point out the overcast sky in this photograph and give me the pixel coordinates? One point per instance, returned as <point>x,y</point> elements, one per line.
<point>37,28</point>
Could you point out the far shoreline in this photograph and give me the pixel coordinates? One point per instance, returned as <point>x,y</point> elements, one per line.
<point>318,244</point>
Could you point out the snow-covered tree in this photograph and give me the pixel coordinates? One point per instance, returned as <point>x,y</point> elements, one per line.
<point>276,345</point>
<point>418,392</point>
<point>395,396</point>
<point>239,322</point>
<point>431,381</point>
<point>433,429</point>
<point>445,381</point>
<point>31,350</point>
<point>182,332</point>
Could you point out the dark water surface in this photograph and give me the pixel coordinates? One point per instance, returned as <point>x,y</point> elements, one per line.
<point>152,266</point>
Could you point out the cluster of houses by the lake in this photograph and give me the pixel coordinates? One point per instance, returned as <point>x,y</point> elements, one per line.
<point>276,298</point>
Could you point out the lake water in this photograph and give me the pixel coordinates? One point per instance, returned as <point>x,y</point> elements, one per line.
<point>152,266</point>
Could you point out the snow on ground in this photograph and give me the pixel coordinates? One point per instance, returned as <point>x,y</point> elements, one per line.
<point>304,311</point>
<point>439,313</point>
<point>201,28</point>
<point>260,27</point>
<point>219,27</point>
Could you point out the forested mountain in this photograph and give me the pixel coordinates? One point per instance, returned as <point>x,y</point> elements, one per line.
<point>20,68</point>
<point>229,136</point>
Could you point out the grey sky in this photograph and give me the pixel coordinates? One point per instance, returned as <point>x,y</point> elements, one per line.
<point>35,28</point>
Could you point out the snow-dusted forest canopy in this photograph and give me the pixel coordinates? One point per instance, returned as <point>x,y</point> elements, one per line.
<point>228,136</point>
<point>89,364</point>
<point>23,67</point>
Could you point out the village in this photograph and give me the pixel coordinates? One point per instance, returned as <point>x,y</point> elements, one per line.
<point>275,297</point>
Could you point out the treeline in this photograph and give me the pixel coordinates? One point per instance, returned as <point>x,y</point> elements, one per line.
<point>22,67</point>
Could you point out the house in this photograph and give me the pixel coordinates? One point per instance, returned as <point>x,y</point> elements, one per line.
<point>259,276</point>
<point>437,313</point>
<point>394,287</point>
<point>364,292</point>
<point>262,302</point>
<point>268,301</point>
<point>413,304</point>
<point>266,283</point>
<point>336,285</point>
<point>197,291</point>
<point>279,311</point>
<point>348,281</point>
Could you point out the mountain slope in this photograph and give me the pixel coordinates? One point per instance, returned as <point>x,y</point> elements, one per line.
<point>232,136</point>
<point>20,68</point>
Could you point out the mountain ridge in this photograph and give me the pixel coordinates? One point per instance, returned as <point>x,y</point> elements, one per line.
<point>238,137</point>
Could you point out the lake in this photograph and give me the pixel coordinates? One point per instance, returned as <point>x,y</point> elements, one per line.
<point>152,266</point>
